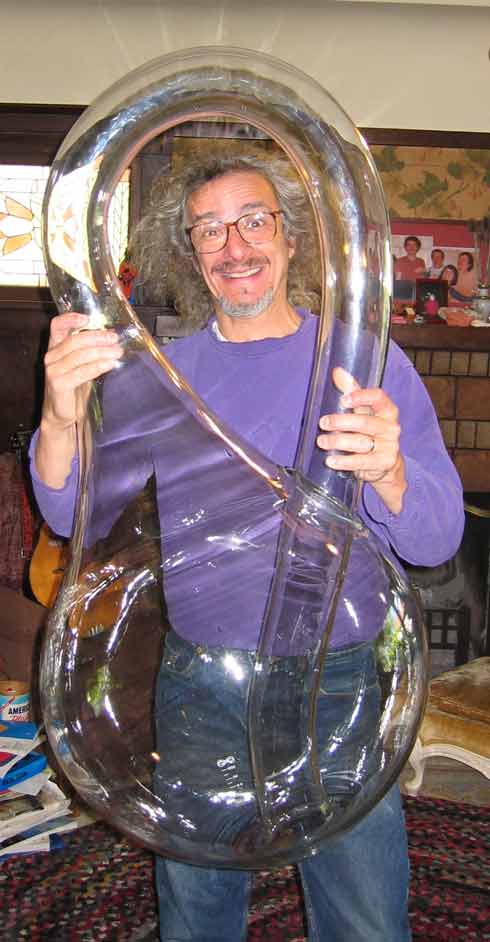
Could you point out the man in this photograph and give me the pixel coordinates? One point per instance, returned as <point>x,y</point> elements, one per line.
<point>410,266</point>
<point>234,223</point>
<point>437,263</point>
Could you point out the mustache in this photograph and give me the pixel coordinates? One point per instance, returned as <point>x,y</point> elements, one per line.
<point>224,268</point>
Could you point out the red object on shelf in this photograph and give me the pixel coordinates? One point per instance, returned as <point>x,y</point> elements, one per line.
<point>126,274</point>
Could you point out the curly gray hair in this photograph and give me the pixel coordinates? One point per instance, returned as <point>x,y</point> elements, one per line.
<point>162,251</point>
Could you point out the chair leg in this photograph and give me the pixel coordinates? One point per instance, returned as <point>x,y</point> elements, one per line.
<point>416,761</point>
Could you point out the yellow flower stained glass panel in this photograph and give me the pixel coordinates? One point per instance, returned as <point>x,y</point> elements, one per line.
<point>21,197</point>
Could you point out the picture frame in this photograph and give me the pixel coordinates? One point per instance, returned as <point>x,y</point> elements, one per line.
<point>428,288</point>
<point>436,241</point>
<point>435,183</point>
<point>448,236</point>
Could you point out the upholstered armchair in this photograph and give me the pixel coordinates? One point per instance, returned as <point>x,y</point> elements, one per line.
<point>456,724</point>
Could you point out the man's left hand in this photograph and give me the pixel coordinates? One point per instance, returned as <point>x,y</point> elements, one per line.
<point>366,440</point>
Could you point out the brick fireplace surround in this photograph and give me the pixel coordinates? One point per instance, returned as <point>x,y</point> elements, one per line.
<point>454,364</point>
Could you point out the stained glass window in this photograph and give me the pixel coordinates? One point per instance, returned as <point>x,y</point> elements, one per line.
<point>21,196</point>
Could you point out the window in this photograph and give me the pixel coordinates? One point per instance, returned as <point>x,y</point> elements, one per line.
<point>21,197</point>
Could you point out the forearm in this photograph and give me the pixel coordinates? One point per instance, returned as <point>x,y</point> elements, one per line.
<point>391,489</point>
<point>75,358</point>
<point>54,453</point>
<point>57,505</point>
<point>428,529</point>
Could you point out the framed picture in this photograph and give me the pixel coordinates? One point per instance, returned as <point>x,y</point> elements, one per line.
<point>435,242</point>
<point>430,295</point>
<point>435,183</point>
<point>432,249</point>
<point>440,175</point>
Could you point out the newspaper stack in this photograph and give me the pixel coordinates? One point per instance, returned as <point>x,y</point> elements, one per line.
<point>33,809</point>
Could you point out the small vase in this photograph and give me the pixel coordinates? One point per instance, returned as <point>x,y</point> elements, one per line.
<point>481,301</point>
<point>431,305</point>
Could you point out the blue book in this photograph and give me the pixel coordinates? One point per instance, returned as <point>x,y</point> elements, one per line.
<point>29,765</point>
<point>18,730</point>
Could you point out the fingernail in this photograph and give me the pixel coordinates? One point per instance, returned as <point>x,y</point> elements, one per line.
<point>324,422</point>
<point>346,401</point>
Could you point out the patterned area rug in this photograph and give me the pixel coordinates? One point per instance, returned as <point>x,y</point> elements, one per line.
<point>99,887</point>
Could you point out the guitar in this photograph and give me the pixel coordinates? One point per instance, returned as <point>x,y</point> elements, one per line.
<point>47,566</point>
<point>97,602</point>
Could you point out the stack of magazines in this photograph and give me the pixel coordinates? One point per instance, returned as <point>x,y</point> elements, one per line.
<point>33,809</point>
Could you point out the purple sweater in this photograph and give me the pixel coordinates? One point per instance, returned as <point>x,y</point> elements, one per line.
<point>215,595</point>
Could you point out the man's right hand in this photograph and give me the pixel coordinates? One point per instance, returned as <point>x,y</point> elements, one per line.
<point>74,357</point>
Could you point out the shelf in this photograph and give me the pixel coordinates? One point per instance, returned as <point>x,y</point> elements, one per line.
<point>441,337</point>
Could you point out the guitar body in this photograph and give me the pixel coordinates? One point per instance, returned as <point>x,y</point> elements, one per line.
<point>47,566</point>
<point>102,592</point>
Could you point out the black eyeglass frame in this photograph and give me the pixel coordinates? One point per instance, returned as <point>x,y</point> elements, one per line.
<point>229,225</point>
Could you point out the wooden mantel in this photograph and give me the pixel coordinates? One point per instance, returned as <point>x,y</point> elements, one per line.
<point>441,337</point>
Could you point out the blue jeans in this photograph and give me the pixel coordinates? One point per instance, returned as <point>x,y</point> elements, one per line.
<point>355,889</point>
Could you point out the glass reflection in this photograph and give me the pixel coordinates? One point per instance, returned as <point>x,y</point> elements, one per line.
<point>234,669</point>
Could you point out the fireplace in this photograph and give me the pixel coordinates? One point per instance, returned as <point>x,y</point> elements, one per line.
<point>454,364</point>
<point>456,595</point>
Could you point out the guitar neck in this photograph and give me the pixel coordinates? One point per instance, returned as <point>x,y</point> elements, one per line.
<point>19,443</point>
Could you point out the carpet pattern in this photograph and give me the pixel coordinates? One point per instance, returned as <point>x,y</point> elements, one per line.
<point>99,888</point>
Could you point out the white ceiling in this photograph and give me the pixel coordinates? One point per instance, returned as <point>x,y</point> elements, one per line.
<point>391,65</point>
<point>425,3</point>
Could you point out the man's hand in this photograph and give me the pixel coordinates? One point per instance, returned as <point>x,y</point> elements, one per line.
<point>366,440</point>
<point>74,357</point>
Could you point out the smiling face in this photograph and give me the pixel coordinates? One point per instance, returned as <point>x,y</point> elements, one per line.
<point>411,247</point>
<point>247,282</point>
<point>449,274</point>
<point>464,261</point>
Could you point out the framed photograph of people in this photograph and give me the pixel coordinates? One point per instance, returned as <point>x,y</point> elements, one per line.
<point>436,250</point>
<point>430,295</point>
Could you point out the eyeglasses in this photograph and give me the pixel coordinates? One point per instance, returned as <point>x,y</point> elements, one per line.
<point>254,228</point>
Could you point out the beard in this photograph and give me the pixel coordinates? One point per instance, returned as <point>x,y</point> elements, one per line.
<point>246,308</point>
